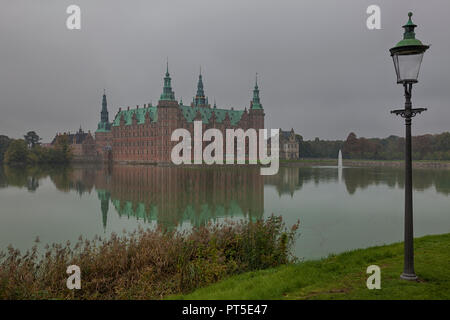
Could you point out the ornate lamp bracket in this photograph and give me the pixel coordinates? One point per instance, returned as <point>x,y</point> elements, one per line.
<point>408,113</point>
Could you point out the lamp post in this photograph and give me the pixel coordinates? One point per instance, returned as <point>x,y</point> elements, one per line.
<point>407,55</point>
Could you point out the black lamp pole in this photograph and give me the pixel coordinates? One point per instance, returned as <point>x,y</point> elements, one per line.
<point>408,113</point>
<point>407,56</point>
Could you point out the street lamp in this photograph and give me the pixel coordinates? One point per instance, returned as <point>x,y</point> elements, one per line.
<point>407,56</point>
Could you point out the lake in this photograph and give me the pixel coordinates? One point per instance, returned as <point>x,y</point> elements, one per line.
<point>338,209</point>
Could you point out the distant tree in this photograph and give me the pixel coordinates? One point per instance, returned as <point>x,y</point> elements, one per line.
<point>351,148</point>
<point>17,152</point>
<point>4,143</point>
<point>304,147</point>
<point>22,152</point>
<point>443,141</point>
<point>425,147</point>
<point>422,145</point>
<point>32,139</point>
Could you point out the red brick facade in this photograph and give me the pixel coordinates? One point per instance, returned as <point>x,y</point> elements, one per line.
<point>151,141</point>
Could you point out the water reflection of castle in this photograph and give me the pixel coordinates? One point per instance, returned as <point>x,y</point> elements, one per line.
<point>171,196</point>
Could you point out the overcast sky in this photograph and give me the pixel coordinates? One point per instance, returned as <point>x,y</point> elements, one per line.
<point>321,71</point>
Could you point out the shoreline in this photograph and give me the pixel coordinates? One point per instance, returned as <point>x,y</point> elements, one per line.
<point>418,164</point>
<point>421,164</point>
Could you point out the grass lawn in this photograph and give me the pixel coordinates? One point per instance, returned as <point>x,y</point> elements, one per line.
<point>344,276</point>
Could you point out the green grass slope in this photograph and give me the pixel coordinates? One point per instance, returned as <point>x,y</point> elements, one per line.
<point>344,276</point>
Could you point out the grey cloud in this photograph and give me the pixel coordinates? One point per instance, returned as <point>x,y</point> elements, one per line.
<point>321,71</point>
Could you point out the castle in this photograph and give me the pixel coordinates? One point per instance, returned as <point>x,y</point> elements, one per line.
<point>143,134</point>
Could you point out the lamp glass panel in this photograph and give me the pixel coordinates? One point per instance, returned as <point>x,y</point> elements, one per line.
<point>407,67</point>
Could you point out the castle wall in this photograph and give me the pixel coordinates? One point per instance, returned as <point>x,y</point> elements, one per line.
<point>103,141</point>
<point>150,142</point>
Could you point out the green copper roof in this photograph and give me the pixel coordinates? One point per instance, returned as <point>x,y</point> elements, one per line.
<point>200,98</point>
<point>140,115</point>
<point>256,103</point>
<point>409,36</point>
<point>190,113</point>
<point>408,42</point>
<point>103,127</point>
<point>104,112</point>
<point>102,130</point>
<point>168,93</point>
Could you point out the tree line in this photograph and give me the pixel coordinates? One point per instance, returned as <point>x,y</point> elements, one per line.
<point>425,147</point>
<point>29,151</point>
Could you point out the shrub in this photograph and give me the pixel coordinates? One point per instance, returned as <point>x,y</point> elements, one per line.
<point>147,264</point>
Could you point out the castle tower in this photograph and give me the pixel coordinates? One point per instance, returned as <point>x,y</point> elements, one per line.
<point>168,113</point>
<point>168,94</point>
<point>256,103</point>
<point>103,134</point>
<point>200,99</point>
<point>256,113</point>
<point>104,125</point>
<point>104,117</point>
